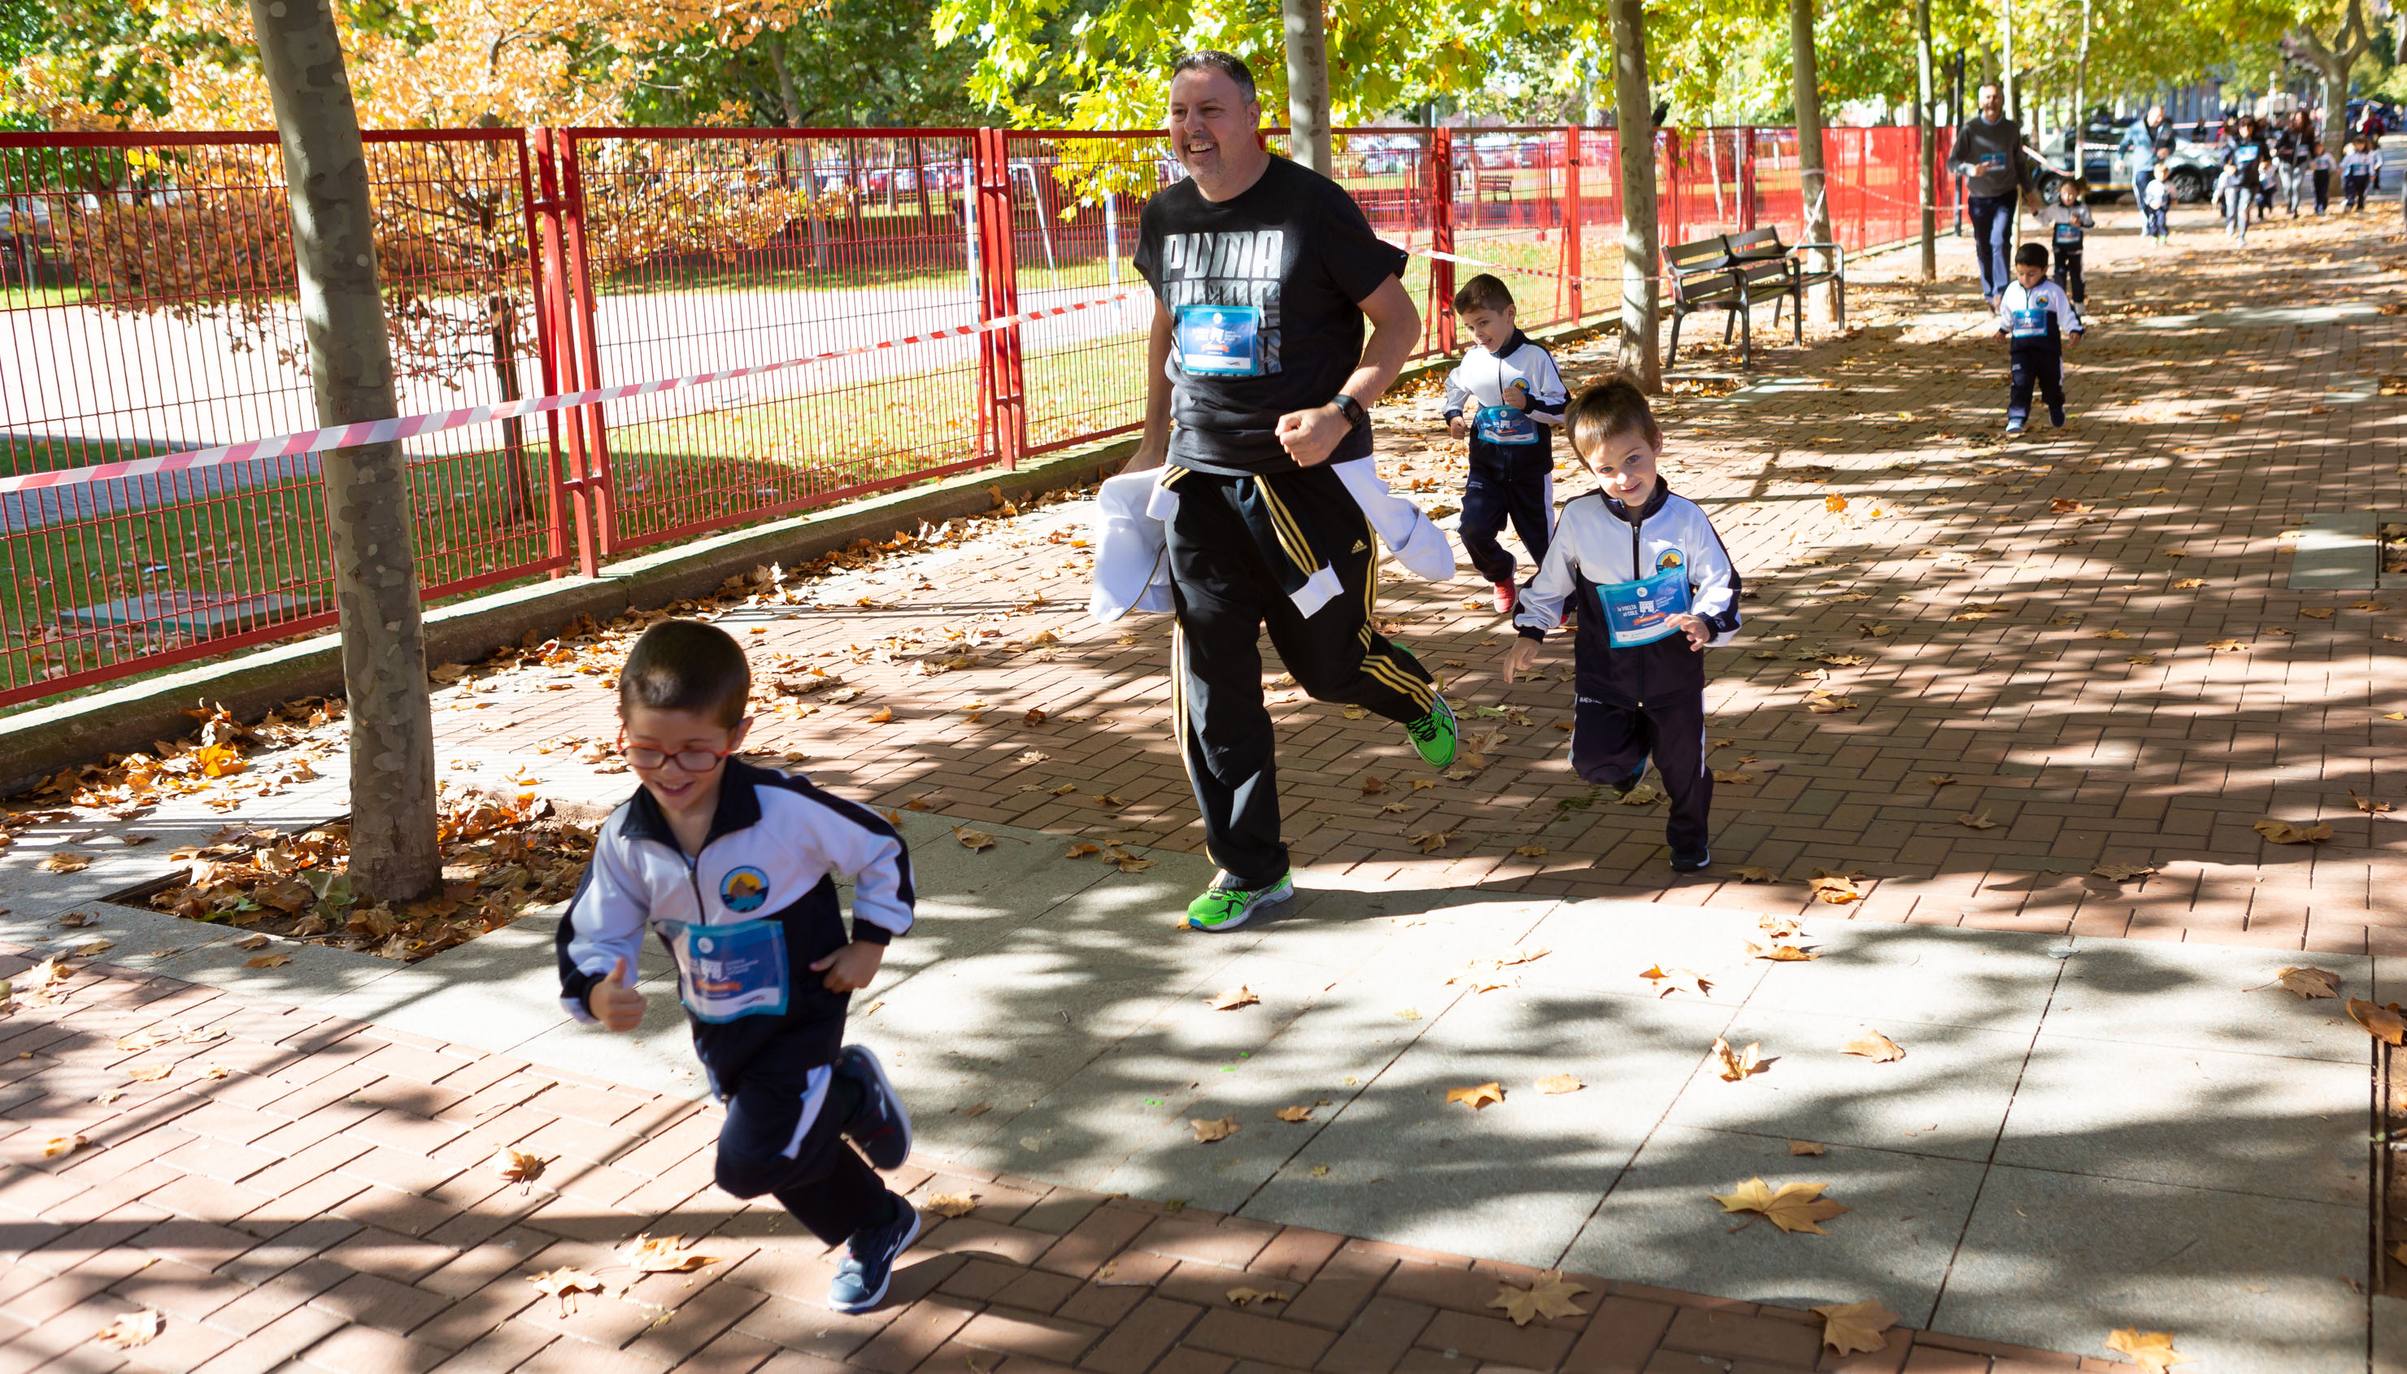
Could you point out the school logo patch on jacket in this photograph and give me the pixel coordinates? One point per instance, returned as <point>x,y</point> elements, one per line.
<point>1670,558</point>
<point>744,889</point>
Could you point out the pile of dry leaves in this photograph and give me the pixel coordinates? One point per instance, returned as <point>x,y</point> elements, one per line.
<point>500,856</point>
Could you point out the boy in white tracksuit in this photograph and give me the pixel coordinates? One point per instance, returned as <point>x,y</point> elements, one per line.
<point>2039,320</point>
<point>1654,587</point>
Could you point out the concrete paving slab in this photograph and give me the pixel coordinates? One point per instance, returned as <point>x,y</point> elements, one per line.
<point>1514,1180</point>
<point>1947,1097</point>
<point>1605,945</point>
<point>1934,974</point>
<point>2243,1123</point>
<point>1660,1225</point>
<point>2246,1285</point>
<point>2202,996</point>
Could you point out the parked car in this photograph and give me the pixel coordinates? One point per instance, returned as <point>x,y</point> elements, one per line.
<point>2101,162</point>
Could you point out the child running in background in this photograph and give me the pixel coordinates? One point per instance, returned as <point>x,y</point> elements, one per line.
<point>2068,220</point>
<point>2234,199</point>
<point>2038,320</point>
<point>1514,398</point>
<point>2156,203</point>
<point>2358,169</point>
<point>1653,586</point>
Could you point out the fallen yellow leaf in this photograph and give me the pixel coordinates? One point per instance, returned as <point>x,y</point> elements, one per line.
<point>58,1145</point>
<point>2309,983</point>
<point>1208,1131</point>
<point>1557,1084</point>
<point>1854,1328</point>
<point>1478,1096</point>
<point>1795,1207</point>
<point>1835,888</point>
<point>1807,1147</point>
<point>1738,1064</point>
<point>974,840</point>
<point>2385,1024</point>
<point>884,715</point>
<point>517,1166</point>
<point>1548,1295</point>
<point>1240,1297</point>
<point>131,1329</point>
<point>2283,832</point>
<point>1676,980</point>
<point>647,1254</point>
<point>1877,1047</point>
<point>2152,1351</point>
<point>2123,872</point>
<point>1231,1001</point>
<point>267,961</point>
<point>565,1284</point>
<point>950,1204</point>
<point>1293,1115</point>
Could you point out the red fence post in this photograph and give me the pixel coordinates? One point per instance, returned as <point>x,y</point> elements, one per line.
<point>1571,222</point>
<point>1441,234</point>
<point>553,337</point>
<point>585,354</point>
<point>1746,178</point>
<point>999,295</point>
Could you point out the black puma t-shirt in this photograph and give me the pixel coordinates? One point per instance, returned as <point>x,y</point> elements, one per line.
<point>1262,293</point>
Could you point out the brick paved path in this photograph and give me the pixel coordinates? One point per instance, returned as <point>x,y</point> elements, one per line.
<point>329,1203</point>
<point>2038,624</point>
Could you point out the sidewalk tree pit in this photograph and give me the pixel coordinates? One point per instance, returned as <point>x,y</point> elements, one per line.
<point>501,857</point>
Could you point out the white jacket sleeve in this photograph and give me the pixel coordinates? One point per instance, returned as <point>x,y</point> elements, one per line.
<point>604,922</point>
<point>1541,604</point>
<point>1712,581</point>
<point>858,844</point>
<point>1457,398</point>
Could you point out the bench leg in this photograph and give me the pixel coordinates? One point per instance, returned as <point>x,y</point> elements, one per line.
<point>1677,317</point>
<point>1746,338</point>
<point>1838,296</point>
<point>1797,314</point>
<point>1729,326</point>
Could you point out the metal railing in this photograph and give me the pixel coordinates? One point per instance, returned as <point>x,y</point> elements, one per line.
<point>148,305</point>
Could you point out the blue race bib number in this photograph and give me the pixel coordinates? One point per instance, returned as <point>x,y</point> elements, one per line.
<point>2246,153</point>
<point>1993,162</point>
<point>2029,324</point>
<point>2068,233</point>
<point>1641,612</point>
<point>1220,340</point>
<point>1504,425</point>
<point>730,971</point>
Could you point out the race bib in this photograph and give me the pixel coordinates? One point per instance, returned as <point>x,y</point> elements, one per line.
<point>1993,162</point>
<point>1504,425</point>
<point>1641,612</point>
<point>2068,233</point>
<point>1220,340</point>
<point>730,971</point>
<point>2029,324</point>
<point>2246,153</point>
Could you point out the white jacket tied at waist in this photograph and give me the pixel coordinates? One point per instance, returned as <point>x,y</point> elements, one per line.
<point>1132,562</point>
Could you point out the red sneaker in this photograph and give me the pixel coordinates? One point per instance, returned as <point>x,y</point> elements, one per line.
<point>1507,596</point>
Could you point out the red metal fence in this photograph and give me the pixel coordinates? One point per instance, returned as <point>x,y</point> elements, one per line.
<point>148,305</point>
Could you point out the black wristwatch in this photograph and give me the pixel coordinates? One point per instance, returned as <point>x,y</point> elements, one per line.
<point>1350,408</point>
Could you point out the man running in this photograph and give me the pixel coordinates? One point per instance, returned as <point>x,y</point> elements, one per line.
<point>1989,155</point>
<point>1263,272</point>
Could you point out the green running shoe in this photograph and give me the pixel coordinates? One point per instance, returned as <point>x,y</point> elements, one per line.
<point>1434,735</point>
<point>1226,908</point>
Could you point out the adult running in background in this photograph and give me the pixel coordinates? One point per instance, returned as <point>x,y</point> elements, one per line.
<point>1263,273</point>
<point>1989,156</point>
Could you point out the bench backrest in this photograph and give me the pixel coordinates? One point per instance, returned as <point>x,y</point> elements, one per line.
<point>1765,240</point>
<point>1687,257</point>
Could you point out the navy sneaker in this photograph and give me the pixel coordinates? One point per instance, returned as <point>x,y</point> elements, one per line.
<point>880,1127</point>
<point>1626,785</point>
<point>861,1280</point>
<point>1691,863</point>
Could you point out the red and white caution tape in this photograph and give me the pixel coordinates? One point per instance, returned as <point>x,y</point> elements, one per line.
<point>434,421</point>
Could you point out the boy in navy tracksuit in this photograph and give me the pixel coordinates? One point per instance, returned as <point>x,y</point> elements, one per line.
<point>2038,320</point>
<point>733,868</point>
<point>1506,398</point>
<point>1654,586</point>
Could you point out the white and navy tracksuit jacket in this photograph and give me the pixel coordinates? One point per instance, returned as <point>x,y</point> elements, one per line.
<point>1647,700</point>
<point>1477,388</point>
<point>764,883</point>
